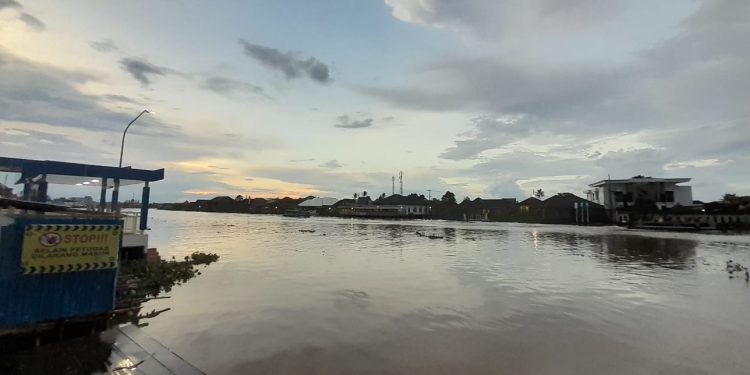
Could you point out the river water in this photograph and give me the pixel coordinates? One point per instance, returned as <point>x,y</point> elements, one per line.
<point>353,296</point>
<point>373,297</point>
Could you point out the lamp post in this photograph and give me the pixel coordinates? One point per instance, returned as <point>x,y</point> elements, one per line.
<point>116,191</point>
<point>122,145</point>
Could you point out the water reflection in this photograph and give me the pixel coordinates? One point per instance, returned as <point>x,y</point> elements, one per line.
<point>674,253</point>
<point>449,234</point>
<point>84,355</point>
<point>658,252</point>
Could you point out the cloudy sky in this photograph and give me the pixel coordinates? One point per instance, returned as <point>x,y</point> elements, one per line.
<point>489,98</point>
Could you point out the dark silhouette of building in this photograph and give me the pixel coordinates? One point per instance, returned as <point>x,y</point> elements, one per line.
<point>489,209</point>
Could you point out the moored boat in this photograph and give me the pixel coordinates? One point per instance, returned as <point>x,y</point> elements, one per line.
<point>296,213</point>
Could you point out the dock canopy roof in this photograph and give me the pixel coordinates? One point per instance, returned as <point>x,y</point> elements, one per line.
<point>58,172</point>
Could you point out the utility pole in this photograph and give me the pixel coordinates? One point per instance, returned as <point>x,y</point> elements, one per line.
<point>401,182</point>
<point>429,194</point>
<point>393,185</point>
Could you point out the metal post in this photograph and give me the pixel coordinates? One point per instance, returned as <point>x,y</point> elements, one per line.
<point>575,207</point>
<point>144,207</point>
<point>115,196</point>
<point>41,191</point>
<point>122,145</point>
<point>103,196</point>
<point>588,214</point>
<point>26,189</point>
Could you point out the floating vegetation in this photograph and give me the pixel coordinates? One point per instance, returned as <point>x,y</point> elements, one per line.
<point>140,281</point>
<point>733,267</point>
<point>203,258</point>
<point>430,236</point>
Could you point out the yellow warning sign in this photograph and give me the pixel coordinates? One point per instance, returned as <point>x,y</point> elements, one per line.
<point>51,248</point>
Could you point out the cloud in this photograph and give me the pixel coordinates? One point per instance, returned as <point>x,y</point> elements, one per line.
<point>9,4</point>
<point>41,93</point>
<point>345,122</point>
<point>331,180</point>
<point>676,107</point>
<point>509,87</point>
<point>702,163</point>
<point>47,145</point>
<point>488,133</point>
<point>332,164</point>
<point>288,63</point>
<point>493,19</point>
<point>32,93</point>
<point>121,99</point>
<point>143,70</point>
<point>226,86</point>
<point>104,45</point>
<point>32,22</point>
<point>300,160</point>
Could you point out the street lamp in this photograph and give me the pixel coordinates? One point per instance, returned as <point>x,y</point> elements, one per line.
<point>116,190</point>
<point>122,146</point>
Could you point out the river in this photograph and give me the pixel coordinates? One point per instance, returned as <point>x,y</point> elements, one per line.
<point>352,296</point>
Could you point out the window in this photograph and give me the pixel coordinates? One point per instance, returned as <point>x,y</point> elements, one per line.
<point>667,196</point>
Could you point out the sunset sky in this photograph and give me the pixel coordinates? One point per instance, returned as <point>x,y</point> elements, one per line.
<point>490,98</point>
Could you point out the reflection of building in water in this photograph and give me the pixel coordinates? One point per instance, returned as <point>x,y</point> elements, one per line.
<point>667,252</point>
<point>619,248</point>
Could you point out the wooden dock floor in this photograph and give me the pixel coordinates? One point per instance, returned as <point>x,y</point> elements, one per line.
<point>134,352</point>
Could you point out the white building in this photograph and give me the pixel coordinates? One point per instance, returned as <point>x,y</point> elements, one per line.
<point>664,192</point>
<point>318,202</point>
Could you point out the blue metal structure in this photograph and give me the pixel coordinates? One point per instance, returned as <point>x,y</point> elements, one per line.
<point>37,174</point>
<point>31,168</point>
<point>29,299</point>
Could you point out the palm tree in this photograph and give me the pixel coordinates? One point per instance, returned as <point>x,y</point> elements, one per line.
<point>539,193</point>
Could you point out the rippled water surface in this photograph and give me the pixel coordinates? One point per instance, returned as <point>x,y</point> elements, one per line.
<point>373,297</point>
<point>343,296</point>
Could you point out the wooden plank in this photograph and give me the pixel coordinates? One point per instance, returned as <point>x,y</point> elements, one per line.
<point>134,347</point>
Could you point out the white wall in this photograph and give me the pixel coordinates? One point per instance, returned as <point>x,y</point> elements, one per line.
<point>683,195</point>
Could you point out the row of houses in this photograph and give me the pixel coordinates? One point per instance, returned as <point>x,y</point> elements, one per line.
<point>636,201</point>
<point>565,208</point>
<point>639,200</point>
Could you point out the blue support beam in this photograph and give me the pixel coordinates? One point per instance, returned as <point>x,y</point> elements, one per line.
<point>30,167</point>
<point>144,207</point>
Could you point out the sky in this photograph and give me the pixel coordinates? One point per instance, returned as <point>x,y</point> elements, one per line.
<point>490,98</point>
